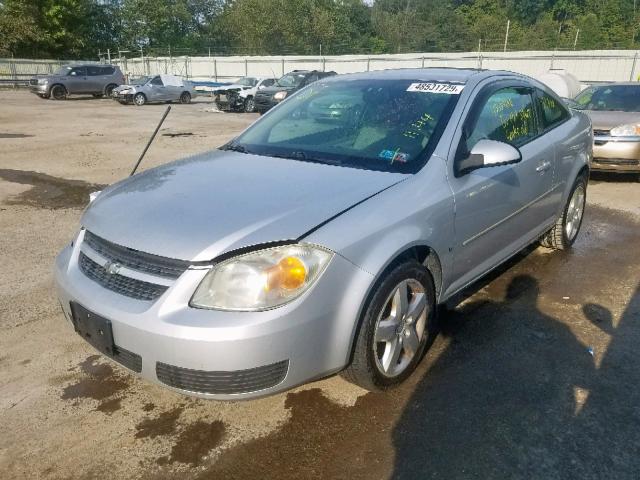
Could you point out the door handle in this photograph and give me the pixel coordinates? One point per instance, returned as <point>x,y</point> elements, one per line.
<point>544,166</point>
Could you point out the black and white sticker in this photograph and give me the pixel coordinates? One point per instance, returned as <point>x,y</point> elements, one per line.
<point>446,88</point>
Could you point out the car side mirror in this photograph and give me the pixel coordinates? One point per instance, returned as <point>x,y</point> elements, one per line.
<point>489,153</point>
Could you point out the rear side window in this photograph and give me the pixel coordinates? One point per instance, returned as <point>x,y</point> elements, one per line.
<point>107,70</point>
<point>553,113</point>
<point>93,71</point>
<point>507,116</point>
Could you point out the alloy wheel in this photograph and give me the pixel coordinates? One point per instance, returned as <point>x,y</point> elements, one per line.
<point>575,210</point>
<point>400,328</point>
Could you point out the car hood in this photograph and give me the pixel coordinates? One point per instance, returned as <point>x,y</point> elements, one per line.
<point>201,207</point>
<point>274,90</point>
<point>602,120</point>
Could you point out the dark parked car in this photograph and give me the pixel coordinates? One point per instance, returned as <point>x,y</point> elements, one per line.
<point>291,82</point>
<point>93,79</point>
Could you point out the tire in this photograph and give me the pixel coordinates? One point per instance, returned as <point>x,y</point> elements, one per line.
<point>565,231</point>
<point>249,105</point>
<point>185,98</point>
<point>58,92</point>
<point>389,345</point>
<point>139,99</point>
<point>109,89</point>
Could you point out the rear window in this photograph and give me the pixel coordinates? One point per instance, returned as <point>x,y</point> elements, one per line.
<point>553,112</point>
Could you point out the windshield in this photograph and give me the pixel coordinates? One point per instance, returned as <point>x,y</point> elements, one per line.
<point>140,80</point>
<point>290,80</point>
<point>386,125</point>
<point>620,98</point>
<point>246,81</point>
<point>62,71</point>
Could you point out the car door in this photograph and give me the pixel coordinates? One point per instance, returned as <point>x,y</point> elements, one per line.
<point>500,209</point>
<point>157,92</point>
<point>95,79</point>
<point>76,81</point>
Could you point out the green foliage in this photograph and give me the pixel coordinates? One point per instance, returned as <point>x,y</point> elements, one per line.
<point>80,28</point>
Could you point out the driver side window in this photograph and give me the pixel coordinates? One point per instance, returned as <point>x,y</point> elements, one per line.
<point>157,81</point>
<point>507,116</point>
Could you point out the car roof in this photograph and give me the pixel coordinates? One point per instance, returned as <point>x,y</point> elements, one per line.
<point>614,84</point>
<point>456,75</point>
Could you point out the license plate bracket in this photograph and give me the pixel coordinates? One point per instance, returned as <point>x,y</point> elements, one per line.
<point>93,328</point>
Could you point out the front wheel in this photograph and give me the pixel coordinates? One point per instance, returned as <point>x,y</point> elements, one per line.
<point>58,92</point>
<point>185,97</point>
<point>139,99</point>
<point>565,231</point>
<point>249,105</point>
<point>398,323</point>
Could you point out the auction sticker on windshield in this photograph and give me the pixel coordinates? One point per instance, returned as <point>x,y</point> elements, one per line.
<point>446,88</point>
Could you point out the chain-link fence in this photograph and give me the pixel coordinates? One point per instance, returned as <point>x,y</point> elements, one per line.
<point>588,66</point>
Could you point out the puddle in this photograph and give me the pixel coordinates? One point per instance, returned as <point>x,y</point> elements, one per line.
<point>164,424</point>
<point>178,134</point>
<point>195,442</point>
<point>109,406</point>
<point>99,382</point>
<point>48,191</point>
<point>15,135</point>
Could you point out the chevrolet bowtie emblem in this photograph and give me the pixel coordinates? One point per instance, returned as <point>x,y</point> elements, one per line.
<point>112,268</point>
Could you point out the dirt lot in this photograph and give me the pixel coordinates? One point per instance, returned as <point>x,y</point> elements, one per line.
<point>537,375</point>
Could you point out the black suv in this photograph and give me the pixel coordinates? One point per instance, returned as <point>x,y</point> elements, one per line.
<point>95,79</point>
<point>285,86</point>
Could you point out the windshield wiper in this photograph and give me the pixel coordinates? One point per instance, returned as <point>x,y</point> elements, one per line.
<point>304,157</point>
<point>235,147</point>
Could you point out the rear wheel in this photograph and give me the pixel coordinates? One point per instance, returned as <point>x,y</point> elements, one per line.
<point>58,92</point>
<point>139,99</point>
<point>109,89</point>
<point>185,97</point>
<point>565,231</point>
<point>397,325</point>
<point>249,105</point>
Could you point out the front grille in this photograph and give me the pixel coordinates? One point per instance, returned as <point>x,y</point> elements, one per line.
<point>131,360</point>
<point>127,286</point>
<point>230,382</point>
<point>143,262</point>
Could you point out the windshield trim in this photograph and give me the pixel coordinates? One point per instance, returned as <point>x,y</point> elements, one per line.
<point>345,160</point>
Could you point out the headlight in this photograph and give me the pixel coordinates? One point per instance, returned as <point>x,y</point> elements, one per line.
<point>627,130</point>
<point>43,81</point>
<point>261,280</point>
<point>280,96</point>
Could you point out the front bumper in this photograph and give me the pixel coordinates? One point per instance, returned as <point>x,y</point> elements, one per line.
<point>39,89</point>
<point>264,104</point>
<point>612,154</point>
<point>311,335</point>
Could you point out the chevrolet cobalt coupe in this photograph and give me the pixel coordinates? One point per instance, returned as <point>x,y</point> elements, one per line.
<point>315,243</point>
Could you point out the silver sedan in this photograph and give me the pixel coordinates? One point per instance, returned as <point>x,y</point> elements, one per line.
<point>160,88</point>
<point>322,239</point>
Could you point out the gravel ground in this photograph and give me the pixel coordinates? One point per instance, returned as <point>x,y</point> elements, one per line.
<point>510,388</point>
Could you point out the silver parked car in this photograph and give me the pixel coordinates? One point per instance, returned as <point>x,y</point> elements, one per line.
<point>160,88</point>
<point>316,243</point>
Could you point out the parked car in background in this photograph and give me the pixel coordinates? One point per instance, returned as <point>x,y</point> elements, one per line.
<point>614,110</point>
<point>240,95</point>
<point>313,244</point>
<point>93,79</point>
<point>286,85</point>
<point>160,88</point>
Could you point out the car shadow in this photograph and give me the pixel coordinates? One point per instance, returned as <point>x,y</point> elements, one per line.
<point>515,394</point>
<point>621,177</point>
